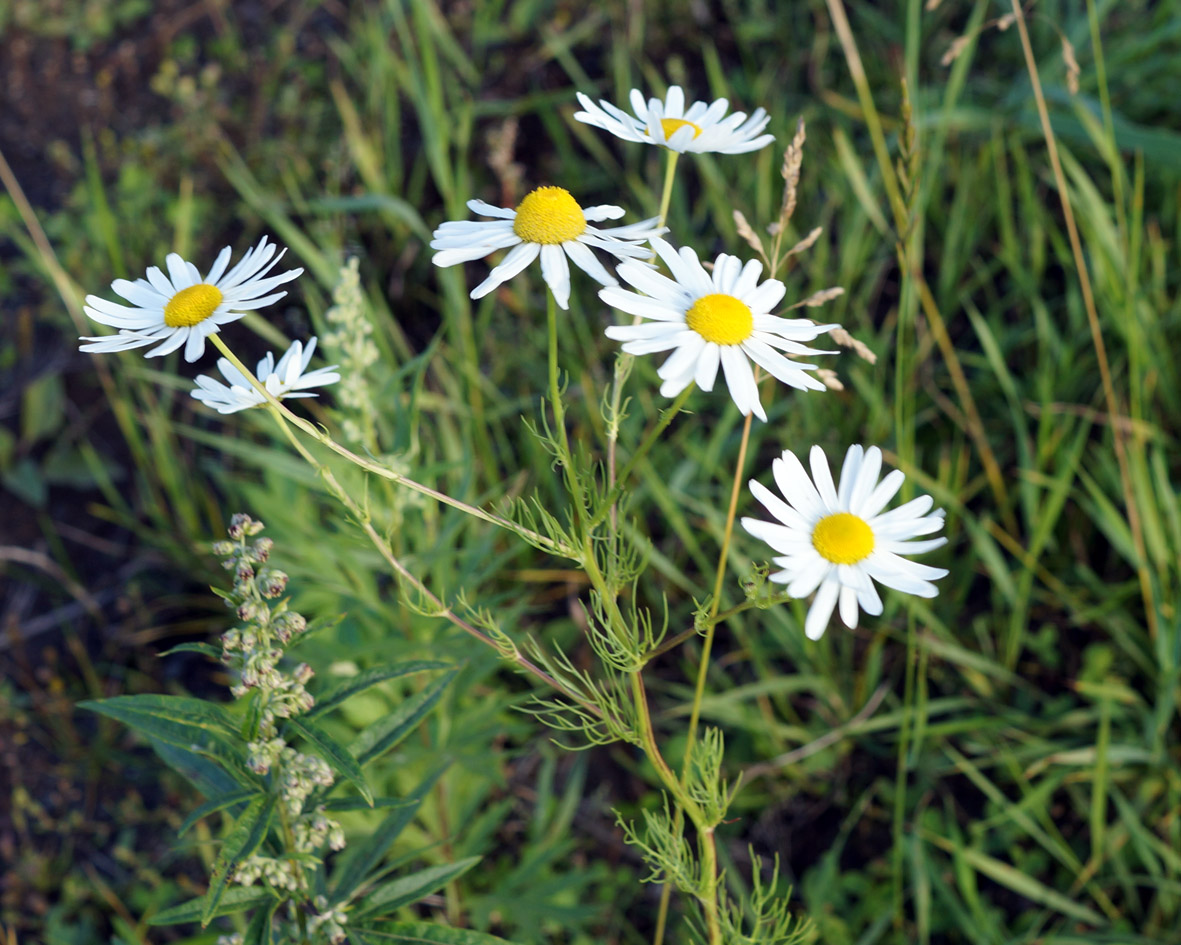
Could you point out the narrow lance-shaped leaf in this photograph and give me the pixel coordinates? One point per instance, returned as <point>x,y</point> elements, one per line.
<point>413,932</point>
<point>329,700</point>
<point>246,837</point>
<point>215,804</point>
<point>261,928</point>
<point>234,900</point>
<point>215,772</point>
<point>334,753</point>
<point>364,856</point>
<point>407,889</point>
<point>356,803</point>
<point>381,736</point>
<point>205,649</point>
<point>176,720</point>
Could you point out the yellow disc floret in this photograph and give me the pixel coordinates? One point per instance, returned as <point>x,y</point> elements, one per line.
<point>192,305</point>
<point>721,318</point>
<point>673,125</point>
<point>549,215</point>
<point>842,538</point>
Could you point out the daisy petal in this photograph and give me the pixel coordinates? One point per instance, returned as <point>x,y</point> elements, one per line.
<point>821,610</point>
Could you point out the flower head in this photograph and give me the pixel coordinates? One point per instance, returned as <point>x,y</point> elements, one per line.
<point>700,128</point>
<point>548,223</point>
<point>181,308</point>
<point>723,318</point>
<point>285,379</point>
<point>838,539</point>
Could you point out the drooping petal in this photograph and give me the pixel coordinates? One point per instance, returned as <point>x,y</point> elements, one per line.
<point>821,610</point>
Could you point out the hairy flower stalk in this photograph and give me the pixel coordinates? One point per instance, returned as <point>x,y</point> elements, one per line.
<point>255,652</point>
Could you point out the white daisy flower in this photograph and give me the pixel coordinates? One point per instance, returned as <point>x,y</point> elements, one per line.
<point>282,380</point>
<point>184,309</point>
<point>710,319</point>
<point>700,128</point>
<point>839,540</point>
<point>548,223</point>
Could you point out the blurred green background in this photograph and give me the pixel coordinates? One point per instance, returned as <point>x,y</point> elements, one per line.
<point>1019,782</point>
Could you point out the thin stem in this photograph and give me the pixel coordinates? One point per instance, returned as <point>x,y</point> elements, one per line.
<point>715,603</point>
<point>703,668</point>
<point>623,363</point>
<point>685,804</point>
<point>673,642</point>
<point>670,173</point>
<point>559,407</point>
<point>558,548</point>
<point>641,451</point>
<point>384,549</point>
<point>1084,279</point>
<point>900,778</point>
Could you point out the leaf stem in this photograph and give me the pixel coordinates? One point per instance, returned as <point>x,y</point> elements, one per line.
<point>555,547</point>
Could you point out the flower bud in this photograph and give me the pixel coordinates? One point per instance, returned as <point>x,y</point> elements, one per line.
<point>273,583</point>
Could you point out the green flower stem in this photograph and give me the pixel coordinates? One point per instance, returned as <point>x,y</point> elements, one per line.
<point>670,173</point>
<point>624,362</point>
<point>383,547</point>
<point>712,622</point>
<point>673,642</point>
<point>557,548</point>
<point>705,830</point>
<point>559,407</point>
<point>715,603</point>
<point>646,444</point>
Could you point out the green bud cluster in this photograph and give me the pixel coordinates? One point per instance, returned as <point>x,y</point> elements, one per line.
<point>255,651</point>
<point>352,345</point>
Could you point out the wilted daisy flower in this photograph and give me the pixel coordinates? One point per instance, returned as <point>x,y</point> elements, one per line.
<point>184,309</point>
<point>548,223</point>
<point>838,539</point>
<point>701,128</point>
<point>710,319</point>
<point>285,379</point>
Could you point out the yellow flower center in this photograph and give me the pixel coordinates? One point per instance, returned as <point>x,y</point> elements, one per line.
<point>549,215</point>
<point>720,318</point>
<point>673,125</point>
<point>192,305</point>
<point>842,538</point>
